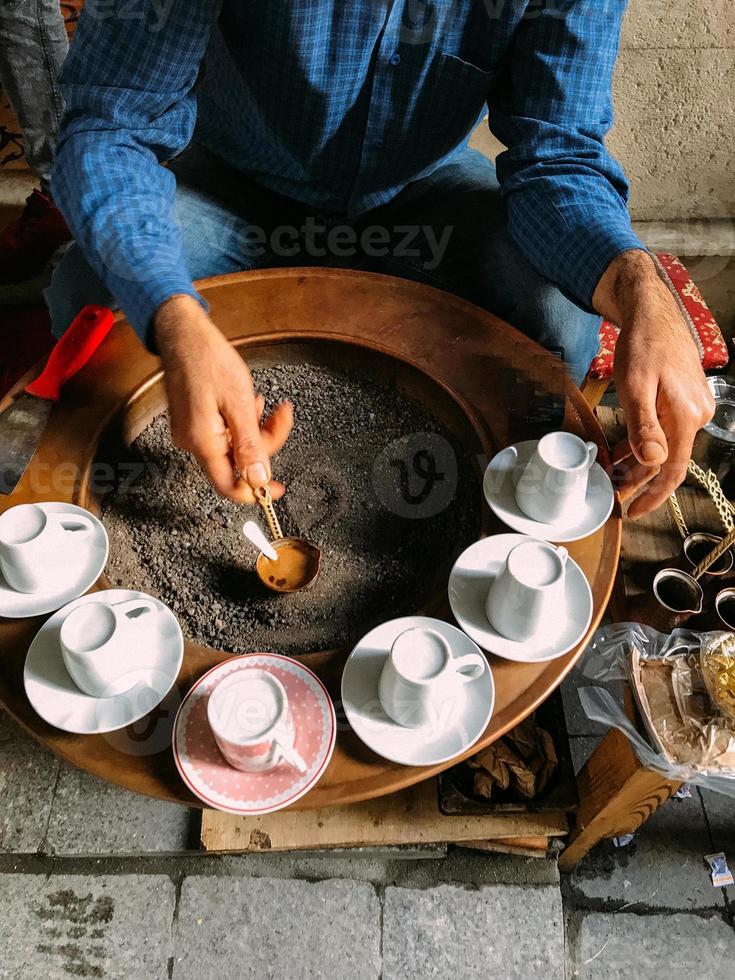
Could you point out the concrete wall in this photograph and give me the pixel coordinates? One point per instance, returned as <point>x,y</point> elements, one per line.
<point>675,109</point>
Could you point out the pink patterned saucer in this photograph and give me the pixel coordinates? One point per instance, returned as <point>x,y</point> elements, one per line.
<point>221,787</point>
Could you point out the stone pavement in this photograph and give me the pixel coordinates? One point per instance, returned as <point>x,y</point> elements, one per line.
<point>98,883</point>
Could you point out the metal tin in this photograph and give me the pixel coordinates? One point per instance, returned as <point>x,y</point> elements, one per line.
<point>714,447</point>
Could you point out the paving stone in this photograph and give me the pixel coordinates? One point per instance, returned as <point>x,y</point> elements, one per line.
<point>27,778</point>
<point>307,866</point>
<point>385,867</point>
<point>498,931</point>
<point>67,926</point>
<point>376,864</point>
<point>662,868</point>
<point>720,812</point>
<point>648,947</point>
<point>464,866</point>
<point>263,927</point>
<point>91,816</point>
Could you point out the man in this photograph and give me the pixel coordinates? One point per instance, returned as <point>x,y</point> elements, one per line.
<point>324,114</point>
<point>33,46</point>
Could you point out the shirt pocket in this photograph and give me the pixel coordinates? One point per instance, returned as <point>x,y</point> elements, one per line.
<point>458,99</point>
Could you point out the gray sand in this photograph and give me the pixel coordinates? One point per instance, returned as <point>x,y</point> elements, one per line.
<point>359,452</point>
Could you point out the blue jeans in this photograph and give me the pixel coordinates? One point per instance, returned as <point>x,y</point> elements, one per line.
<point>447,230</point>
<point>33,46</point>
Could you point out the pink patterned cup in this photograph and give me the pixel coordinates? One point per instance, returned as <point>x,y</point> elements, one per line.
<point>252,723</point>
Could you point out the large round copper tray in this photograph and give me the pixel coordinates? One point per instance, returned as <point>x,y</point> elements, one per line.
<point>481,375</point>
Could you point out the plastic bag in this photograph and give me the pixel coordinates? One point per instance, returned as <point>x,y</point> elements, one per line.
<point>690,737</point>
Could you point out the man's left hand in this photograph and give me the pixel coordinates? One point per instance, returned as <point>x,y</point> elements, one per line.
<point>659,379</point>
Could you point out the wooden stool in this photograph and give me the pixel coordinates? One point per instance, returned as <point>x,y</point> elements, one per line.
<point>617,794</point>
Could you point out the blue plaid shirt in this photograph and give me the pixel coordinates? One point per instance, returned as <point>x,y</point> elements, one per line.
<point>339,104</point>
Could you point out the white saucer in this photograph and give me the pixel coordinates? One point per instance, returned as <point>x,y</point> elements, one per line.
<point>59,701</point>
<point>82,572</point>
<point>499,486</point>
<point>469,582</point>
<point>411,746</point>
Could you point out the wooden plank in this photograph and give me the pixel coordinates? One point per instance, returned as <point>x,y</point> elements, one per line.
<point>534,847</point>
<point>409,817</point>
<point>593,390</point>
<point>617,794</point>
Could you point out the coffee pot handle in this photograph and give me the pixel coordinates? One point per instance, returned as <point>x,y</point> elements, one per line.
<point>591,453</point>
<point>470,667</point>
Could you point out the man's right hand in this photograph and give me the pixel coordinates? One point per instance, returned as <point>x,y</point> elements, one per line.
<point>214,411</point>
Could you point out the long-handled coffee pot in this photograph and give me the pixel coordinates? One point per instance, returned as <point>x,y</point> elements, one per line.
<point>297,561</point>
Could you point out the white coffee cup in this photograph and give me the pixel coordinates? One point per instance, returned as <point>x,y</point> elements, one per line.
<point>422,683</point>
<point>553,484</point>
<point>36,546</point>
<point>252,722</point>
<point>529,589</point>
<point>103,644</point>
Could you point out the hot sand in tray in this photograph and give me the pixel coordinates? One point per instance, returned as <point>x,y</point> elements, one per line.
<point>384,489</point>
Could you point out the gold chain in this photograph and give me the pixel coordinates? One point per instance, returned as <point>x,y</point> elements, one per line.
<point>711,484</point>
<point>677,515</point>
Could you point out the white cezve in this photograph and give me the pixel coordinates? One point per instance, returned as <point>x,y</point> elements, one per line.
<point>553,484</point>
<point>528,590</point>
<point>37,547</point>
<point>104,644</point>
<point>422,683</point>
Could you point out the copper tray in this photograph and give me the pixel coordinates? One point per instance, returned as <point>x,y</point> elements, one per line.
<point>481,376</point>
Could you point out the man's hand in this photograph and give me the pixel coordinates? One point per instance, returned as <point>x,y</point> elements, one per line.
<point>658,376</point>
<point>214,411</point>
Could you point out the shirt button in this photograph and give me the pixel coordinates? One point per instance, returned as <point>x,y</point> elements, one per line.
<point>395,59</point>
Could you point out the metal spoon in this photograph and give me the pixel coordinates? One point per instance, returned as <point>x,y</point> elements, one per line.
<point>297,561</point>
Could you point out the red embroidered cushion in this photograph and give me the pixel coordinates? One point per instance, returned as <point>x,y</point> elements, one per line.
<point>703,326</point>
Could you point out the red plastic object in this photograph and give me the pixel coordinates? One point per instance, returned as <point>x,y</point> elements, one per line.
<point>87,331</point>
<point>708,337</point>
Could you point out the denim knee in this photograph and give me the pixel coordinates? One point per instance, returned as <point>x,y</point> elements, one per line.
<point>555,321</point>
<point>73,284</point>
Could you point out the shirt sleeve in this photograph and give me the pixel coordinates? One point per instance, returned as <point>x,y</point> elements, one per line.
<point>127,85</point>
<point>552,106</point>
